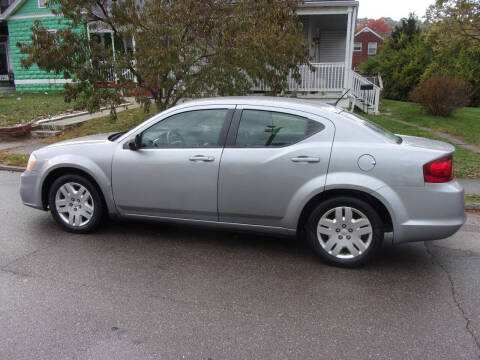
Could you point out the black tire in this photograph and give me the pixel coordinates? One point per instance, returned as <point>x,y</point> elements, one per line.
<point>98,207</point>
<point>326,207</point>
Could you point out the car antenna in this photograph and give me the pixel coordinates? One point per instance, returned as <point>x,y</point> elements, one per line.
<point>341,97</point>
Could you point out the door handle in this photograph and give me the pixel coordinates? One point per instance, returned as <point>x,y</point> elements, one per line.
<point>306,159</point>
<point>202,158</point>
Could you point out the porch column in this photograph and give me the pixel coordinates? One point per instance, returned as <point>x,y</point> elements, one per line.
<point>113,44</point>
<point>348,50</point>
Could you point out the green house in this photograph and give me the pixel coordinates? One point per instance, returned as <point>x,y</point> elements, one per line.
<point>19,17</point>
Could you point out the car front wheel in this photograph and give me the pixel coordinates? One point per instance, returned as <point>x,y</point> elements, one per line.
<point>345,231</point>
<point>75,204</point>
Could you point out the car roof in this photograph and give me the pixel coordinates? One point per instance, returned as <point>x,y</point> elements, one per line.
<point>312,106</point>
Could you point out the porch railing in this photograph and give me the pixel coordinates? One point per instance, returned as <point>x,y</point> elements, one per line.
<point>323,77</point>
<point>369,98</point>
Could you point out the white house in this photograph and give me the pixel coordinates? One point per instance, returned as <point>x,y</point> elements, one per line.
<point>329,26</point>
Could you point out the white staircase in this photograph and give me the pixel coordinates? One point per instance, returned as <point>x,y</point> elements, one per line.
<point>366,100</point>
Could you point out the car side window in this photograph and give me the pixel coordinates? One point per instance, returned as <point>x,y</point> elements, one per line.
<point>259,128</point>
<point>191,129</point>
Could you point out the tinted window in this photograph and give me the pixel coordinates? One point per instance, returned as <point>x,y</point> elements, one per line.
<point>260,128</point>
<point>193,129</point>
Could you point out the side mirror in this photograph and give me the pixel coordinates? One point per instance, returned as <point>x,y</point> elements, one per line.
<point>136,143</point>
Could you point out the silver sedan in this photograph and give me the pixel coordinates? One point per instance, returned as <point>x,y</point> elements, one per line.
<point>265,164</point>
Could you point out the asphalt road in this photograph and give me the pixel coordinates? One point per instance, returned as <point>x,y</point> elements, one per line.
<point>153,291</point>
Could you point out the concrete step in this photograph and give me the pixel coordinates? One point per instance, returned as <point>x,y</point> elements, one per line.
<point>7,89</point>
<point>44,133</point>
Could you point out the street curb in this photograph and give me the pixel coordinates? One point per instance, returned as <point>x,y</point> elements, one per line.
<point>11,168</point>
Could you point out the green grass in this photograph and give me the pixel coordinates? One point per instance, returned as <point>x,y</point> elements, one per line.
<point>466,162</point>
<point>464,124</point>
<point>472,198</point>
<point>13,159</point>
<point>25,107</point>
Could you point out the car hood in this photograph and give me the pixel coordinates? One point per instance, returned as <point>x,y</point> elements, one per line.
<point>92,139</point>
<point>427,143</point>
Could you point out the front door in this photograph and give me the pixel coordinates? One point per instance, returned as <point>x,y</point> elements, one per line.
<point>174,173</point>
<point>3,62</point>
<point>271,158</point>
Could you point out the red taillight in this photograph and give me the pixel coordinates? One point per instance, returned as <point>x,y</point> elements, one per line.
<point>439,171</point>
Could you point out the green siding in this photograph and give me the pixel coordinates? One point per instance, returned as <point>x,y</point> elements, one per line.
<point>20,31</point>
<point>30,7</point>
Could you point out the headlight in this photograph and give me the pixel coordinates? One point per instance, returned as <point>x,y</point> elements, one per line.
<point>31,162</point>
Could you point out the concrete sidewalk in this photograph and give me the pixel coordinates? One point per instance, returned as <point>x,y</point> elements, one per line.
<point>471,186</point>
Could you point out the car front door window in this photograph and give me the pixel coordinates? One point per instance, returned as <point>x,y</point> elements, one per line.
<point>191,129</point>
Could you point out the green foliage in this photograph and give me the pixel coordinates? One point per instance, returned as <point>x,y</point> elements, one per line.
<point>401,61</point>
<point>441,95</point>
<point>454,34</point>
<point>411,56</point>
<point>453,21</point>
<point>183,49</point>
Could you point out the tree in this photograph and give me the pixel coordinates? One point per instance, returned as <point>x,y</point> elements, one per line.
<point>454,35</point>
<point>402,61</point>
<point>182,49</point>
<point>455,20</point>
<point>379,26</point>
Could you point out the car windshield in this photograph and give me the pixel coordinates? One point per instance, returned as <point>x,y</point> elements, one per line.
<point>371,125</point>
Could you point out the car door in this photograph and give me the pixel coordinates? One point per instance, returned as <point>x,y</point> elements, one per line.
<point>271,156</point>
<point>174,173</point>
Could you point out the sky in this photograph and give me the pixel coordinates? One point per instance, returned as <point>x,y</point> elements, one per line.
<point>396,9</point>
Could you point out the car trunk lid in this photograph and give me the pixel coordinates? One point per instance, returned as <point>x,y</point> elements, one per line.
<point>427,143</point>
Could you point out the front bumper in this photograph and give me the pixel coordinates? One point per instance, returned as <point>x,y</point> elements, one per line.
<point>30,190</point>
<point>432,212</point>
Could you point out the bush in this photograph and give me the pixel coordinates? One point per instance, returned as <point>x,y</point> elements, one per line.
<point>441,95</point>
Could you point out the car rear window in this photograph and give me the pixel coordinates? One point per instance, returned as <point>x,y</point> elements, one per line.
<point>375,127</point>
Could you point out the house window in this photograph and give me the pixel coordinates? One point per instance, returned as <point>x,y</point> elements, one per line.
<point>372,48</point>
<point>42,4</point>
<point>357,47</point>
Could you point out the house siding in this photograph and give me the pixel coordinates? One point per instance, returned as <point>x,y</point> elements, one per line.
<point>364,38</point>
<point>332,46</point>
<point>20,31</point>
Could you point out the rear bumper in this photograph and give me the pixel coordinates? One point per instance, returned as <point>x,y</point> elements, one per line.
<point>30,189</point>
<point>432,212</point>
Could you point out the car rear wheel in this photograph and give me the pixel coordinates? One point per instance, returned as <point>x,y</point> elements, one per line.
<point>75,204</point>
<point>345,231</point>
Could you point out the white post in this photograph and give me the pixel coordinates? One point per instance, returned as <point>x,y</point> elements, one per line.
<point>352,40</point>
<point>113,44</point>
<point>113,51</point>
<point>348,48</point>
<point>377,100</point>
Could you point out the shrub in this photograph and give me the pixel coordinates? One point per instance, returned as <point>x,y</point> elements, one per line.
<point>441,95</point>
